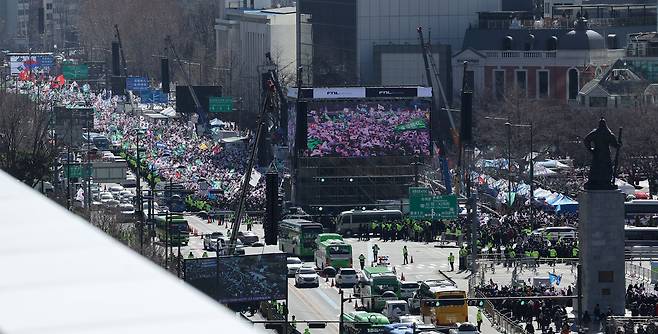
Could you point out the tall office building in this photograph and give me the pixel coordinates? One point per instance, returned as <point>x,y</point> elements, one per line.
<point>348,41</point>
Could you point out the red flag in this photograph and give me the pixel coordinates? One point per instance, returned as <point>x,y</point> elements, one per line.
<point>23,75</point>
<point>60,81</point>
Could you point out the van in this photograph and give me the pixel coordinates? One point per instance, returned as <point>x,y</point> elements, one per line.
<point>556,232</point>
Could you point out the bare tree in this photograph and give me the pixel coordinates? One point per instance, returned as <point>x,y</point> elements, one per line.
<point>25,148</point>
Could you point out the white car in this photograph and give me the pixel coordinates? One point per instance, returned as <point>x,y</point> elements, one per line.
<point>465,328</point>
<point>293,263</point>
<point>110,204</point>
<point>105,197</point>
<point>346,277</point>
<point>394,309</point>
<point>115,189</point>
<point>306,276</point>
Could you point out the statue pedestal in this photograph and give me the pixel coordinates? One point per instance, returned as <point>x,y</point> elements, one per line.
<point>601,245</point>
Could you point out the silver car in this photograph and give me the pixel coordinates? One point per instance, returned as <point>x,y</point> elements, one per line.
<point>346,277</point>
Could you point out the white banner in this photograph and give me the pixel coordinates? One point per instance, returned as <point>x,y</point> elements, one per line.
<point>339,92</point>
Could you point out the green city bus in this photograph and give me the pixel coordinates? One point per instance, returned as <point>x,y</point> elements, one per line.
<point>178,229</point>
<point>361,322</point>
<point>377,281</point>
<point>297,237</point>
<point>333,252</point>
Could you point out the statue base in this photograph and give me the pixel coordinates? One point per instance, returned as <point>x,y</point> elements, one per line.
<point>601,245</point>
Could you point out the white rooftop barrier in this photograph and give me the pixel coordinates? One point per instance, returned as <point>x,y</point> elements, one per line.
<point>59,274</point>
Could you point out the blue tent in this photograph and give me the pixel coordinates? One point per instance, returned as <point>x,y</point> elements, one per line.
<point>565,205</point>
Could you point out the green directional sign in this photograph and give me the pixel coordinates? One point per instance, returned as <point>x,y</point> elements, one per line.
<point>424,205</point>
<point>220,104</point>
<point>75,72</point>
<point>77,171</point>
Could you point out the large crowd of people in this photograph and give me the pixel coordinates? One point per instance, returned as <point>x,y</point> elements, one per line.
<point>172,150</point>
<point>368,129</point>
<point>549,314</point>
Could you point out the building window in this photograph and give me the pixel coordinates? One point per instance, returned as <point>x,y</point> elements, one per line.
<point>522,82</point>
<point>598,101</point>
<point>542,84</point>
<point>606,276</point>
<point>49,6</point>
<point>572,84</point>
<point>499,84</point>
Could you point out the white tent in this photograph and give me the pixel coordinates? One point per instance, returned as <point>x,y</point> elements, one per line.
<point>169,112</point>
<point>543,171</point>
<point>625,187</point>
<point>554,164</point>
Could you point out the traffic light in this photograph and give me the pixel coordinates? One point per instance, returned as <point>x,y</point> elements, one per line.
<point>475,302</point>
<point>270,225</point>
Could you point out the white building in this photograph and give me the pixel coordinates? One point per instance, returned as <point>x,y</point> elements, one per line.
<point>243,37</point>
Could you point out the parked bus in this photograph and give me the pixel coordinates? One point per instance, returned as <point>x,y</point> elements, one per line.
<point>640,236</point>
<point>297,237</point>
<point>178,229</point>
<point>333,253</point>
<point>361,322</point>
<point>378,285</point>
<point>348,222</point>
<point>446,312</point>
<point>641,212</point>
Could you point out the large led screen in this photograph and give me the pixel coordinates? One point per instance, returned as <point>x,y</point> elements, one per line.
<point>360,128</point>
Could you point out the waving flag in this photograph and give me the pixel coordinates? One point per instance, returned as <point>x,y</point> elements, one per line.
<point>554,279</point>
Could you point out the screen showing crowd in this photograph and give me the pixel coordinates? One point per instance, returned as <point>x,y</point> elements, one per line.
<point>368,128</point>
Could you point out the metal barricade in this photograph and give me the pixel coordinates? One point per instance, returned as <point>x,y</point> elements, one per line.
<point>499,321</point>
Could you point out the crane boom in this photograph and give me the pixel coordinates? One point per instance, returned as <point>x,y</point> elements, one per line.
<point>432,74</point>
<point>186,76</point>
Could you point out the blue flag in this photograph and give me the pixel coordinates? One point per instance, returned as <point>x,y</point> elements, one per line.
<point>554,279</point>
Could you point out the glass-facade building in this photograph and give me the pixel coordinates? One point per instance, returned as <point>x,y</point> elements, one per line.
<point>328,42</point>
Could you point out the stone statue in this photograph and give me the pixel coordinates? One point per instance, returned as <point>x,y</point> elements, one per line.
<point>601,171</point>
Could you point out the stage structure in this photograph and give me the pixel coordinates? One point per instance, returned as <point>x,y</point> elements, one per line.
<point>356,147</point>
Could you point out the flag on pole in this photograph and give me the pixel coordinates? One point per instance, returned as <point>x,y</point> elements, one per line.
<point>554,279</point>
<point>255,177</point>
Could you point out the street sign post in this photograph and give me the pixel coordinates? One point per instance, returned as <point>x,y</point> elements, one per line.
<point>137,83</point>
<point>424,205</point>
<point>75,72</point>
<point>220,104</point>
<point>77,171</point>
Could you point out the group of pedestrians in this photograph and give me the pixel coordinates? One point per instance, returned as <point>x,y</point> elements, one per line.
<point>550,315</point>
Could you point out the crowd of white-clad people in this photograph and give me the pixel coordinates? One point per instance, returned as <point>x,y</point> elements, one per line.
<point>173,150</point>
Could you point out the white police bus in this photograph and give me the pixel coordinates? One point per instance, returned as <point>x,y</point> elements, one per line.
<point>348,222</point>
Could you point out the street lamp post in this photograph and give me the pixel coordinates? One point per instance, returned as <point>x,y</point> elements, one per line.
<point>508,125</point>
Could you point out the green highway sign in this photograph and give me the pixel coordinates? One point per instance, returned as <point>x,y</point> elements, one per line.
<point>424,205</point>
<point>220,104</point>
<point>75,72</point>
<point>77,171</point>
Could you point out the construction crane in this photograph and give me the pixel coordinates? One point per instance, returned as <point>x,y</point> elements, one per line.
<point>186,76</point>
<point>123,55</point>
<point>432,74</point>
<point>446,122</point>
<point>262,120</point>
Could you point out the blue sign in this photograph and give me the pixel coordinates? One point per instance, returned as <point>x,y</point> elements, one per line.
<point>137,83</point>
<point>45,61</point>
<point>153,96</point>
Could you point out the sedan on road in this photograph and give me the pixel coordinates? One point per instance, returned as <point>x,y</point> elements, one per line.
<point>346,277</point>
<point>293,263</point>
<point>307,277</point>
<point>210,240</point>
<point>248,238</point>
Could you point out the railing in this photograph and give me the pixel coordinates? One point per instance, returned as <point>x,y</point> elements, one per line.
<point>630,324</point>
<point>638,273</point>
<point>499,321</point>
<point>520,54</point>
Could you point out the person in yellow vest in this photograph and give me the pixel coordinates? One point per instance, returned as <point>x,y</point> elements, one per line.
<point>535,255</point>
<point>307,331</point>
<point>191,255</point>
<point>451,259</point>
<point>293,322</point>
<point>552,253</point>
<point>205,254</point>
<point>462,258</point>
<point>478,319</point>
